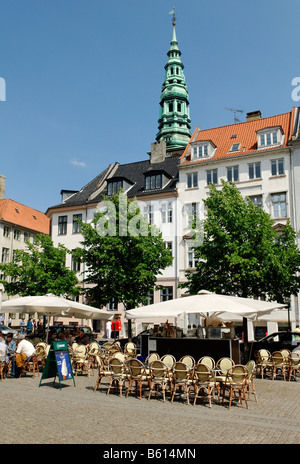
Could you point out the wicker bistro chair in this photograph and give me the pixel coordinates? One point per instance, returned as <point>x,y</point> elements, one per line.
<point>151,357</point>
<point>137,374</point>
<point>118,374</point>
<point>223,366</point>
<point>103,373</point>
<point>82,363</point>
<point>249,382</point>
<point>160,379</point>
<point>204,381</point>
<point>189,361</point>
<point>169,361</point>
<point>130,350</point>
<point>280,365</point>
<point>264,363</point>
<point>236,379</point>
<point>208,361</point>
<point>30,365</point>
<point>182,379</point>
<point>3,368</point>
<point>294,368</point>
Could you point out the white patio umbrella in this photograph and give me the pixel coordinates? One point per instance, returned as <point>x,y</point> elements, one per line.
<point>206,304</point>
<point>51,305</point>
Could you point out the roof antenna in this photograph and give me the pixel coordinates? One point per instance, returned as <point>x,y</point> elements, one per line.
<point>234,112</point>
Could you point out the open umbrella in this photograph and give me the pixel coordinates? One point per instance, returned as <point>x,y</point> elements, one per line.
<point>51,305</point>
<point>206,304</point>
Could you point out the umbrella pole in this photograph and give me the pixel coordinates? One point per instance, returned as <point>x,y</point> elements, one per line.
<point>246,345</point>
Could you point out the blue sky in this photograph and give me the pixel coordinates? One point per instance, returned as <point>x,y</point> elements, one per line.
<point>83,79</point>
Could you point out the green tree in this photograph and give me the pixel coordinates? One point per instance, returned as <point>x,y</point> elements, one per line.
<point>123,254</point>
<point>241,253</point>
<point>40,269</point>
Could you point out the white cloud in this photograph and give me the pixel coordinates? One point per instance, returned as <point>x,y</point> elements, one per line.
<point>75,162</point>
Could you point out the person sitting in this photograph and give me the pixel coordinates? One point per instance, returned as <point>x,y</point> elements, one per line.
<point>11,348</point>
<point>24,351</point>
<point>82,339</point>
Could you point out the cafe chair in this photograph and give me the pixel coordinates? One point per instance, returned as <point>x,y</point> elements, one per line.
<point>188,360</point>
<point>152,357</point>
<point>205,382</point>
<point>159,379</point>
<point>138,376</point>
<point>235,383</point>
<point>103,372</point>
<point>208,361</point>
<point>264,363</point>
<point>250,366</point>
<point>280,365</point>
<point>182,380</point>
<point>130,350</point>
<point>223,366</point>
<point>294,368</point>
<point>118,374</point>
<point>169,361</point>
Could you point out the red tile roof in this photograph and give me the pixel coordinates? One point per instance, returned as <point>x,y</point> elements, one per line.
<point>245,133</point>
<point>23,216</point>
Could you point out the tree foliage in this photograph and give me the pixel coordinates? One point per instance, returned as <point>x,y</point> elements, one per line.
<point>241,253</point>
<point>123,254</point>
<point>40,269</point>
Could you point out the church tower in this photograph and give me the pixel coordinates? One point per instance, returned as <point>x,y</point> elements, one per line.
<point>174,118</point>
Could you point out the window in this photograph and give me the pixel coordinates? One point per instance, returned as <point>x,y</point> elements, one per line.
<point>200,151</point>
<point>192,180</point>
<point>76,225</point>
<point>256,200</point>
<point>150,297</point>
<point>277,167</point>
<point>279,205</point>
<point>112,305</point>
<point>5,255</point>
<point>192,260</point>
<point>192,211</point>
<point>179,107</point>
<point>153,182</point>
<point>148,213</point>
<point>269,137</point>
<point>75,265</point>
<point>17,234</point>
<point>254,171</point>
<point>233,174</point>
<point>166,213</point>
<point>26,236</point>
<point>114,187</point>
<point>6,231</point>
<point>170,107</point>
<point>212,176</point>
<point>166,294</point>
<point>62,225</point>
<point>235,147</point>
<point>169,246</point>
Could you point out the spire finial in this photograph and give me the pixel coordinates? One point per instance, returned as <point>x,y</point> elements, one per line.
<point>174,18</point>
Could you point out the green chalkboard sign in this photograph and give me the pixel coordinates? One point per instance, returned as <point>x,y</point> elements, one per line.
<point>58,363</point>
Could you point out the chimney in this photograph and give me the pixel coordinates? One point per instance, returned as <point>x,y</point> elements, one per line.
<point>2,187</point>
<point>253,116</point>
<point>158,152</point>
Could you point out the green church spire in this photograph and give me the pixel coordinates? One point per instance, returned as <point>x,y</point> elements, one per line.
<point>174,118</point>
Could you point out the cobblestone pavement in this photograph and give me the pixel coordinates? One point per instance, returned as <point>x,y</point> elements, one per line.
<point>78,415</point>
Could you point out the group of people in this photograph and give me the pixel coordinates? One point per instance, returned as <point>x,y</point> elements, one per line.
<point>78,337</point>
<point>32,326</point>
<point>16,352</point>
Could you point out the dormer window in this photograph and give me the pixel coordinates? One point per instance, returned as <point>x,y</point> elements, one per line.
<point>269,137</point>
<point>235,147</point>
<point>114,187</point>
<point>203,149</point>
<point>200,151</point>
<point>153,181</point>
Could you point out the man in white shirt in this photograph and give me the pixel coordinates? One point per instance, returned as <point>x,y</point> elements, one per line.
<point>24,347</point>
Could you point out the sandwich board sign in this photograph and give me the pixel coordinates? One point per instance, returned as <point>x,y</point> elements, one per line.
<point>58,363</point>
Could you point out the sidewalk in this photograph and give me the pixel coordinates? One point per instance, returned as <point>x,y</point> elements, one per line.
<point>77,415</point>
